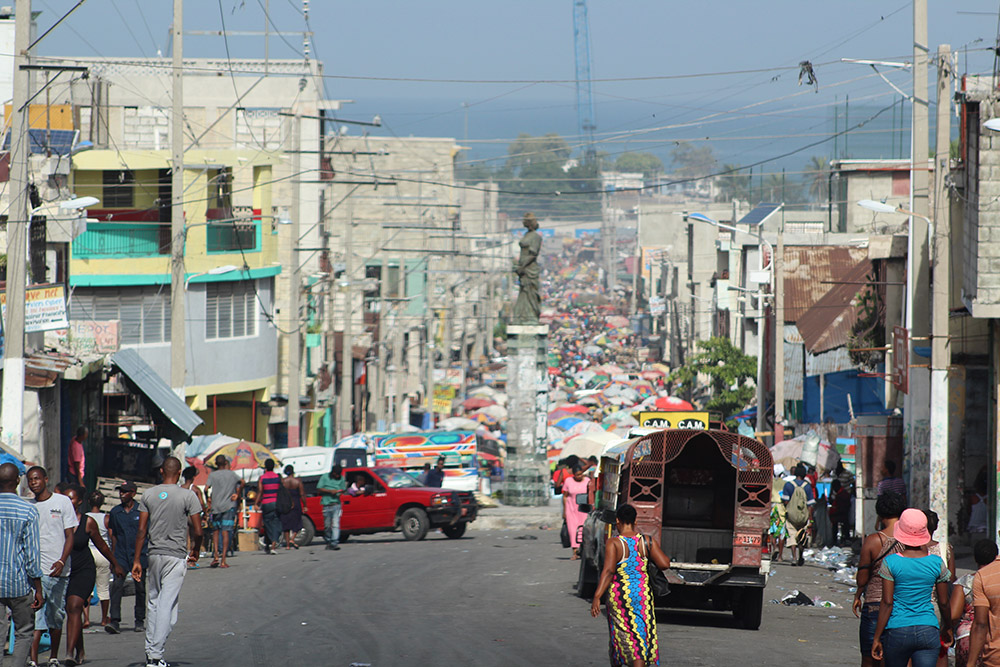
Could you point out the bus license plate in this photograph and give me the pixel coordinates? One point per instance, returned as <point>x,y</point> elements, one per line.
<point>747,541</point>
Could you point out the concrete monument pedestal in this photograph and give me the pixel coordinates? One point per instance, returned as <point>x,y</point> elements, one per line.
<point>526,475</point>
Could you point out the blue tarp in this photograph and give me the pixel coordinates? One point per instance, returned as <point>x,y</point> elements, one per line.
<point>866,397</point>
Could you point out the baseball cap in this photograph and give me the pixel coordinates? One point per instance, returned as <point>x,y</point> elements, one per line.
<point>127,486</point>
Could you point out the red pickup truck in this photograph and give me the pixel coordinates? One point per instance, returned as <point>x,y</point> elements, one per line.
<point>392,500</point>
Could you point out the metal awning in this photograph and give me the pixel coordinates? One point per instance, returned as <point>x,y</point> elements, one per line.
<point>160,399</point>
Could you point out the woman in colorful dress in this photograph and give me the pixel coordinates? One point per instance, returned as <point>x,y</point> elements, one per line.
<point>572,487</point>
<point>631,614</point>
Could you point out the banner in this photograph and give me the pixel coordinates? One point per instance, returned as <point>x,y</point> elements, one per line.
<point>442,406</point>
<point>685,420</point>
<point>44,308</point>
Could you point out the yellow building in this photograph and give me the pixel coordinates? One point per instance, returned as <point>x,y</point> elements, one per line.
<point>120,270</point>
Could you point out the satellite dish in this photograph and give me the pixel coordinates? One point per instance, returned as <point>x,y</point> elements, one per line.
<point>993,124</point>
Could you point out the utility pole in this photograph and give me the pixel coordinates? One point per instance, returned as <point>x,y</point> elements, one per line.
<point>940,348</point>
<point>690,283</point>
<point>295,290</point>
<point>778,262</point>
<point>429,356</point>
<point>346,400</point>
<point>12,406</point>
<point>638,256</point>
<point>917,401</point>
<point>178,235</point>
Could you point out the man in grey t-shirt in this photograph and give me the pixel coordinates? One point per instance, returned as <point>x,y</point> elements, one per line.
<point>165,512</point>
<point>226,488</point>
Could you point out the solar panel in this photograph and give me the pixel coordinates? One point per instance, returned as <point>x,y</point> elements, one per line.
<point>759,214</point>
<point>59,142</point>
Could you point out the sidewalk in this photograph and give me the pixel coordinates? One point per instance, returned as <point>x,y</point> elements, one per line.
<point>505,517</point>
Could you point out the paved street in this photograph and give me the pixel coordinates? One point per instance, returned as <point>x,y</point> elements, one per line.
<point>487,599</point>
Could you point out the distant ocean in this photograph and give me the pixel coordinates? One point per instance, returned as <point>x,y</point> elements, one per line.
<point>785,141</point>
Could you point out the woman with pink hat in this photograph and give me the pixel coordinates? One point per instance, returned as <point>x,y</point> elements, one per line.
<point>907,630</point>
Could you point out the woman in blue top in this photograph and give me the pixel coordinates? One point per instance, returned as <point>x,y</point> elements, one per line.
<point>908,630</point>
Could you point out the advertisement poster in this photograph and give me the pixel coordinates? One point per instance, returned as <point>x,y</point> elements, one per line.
<point>685,420</point>
<point>44,308</point>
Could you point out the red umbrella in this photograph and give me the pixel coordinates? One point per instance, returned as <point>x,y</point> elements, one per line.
<point>201,479</point>
<point>652,375</point>
<point>672,403</point>
<point>572,407</point>
<point>477,402</point>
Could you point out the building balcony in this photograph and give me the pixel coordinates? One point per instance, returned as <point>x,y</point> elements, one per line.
<point>228,233</point>
<point>113,240</point>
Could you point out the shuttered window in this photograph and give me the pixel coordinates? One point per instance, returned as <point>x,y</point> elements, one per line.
<point>230,310</point>
<point>144,312</point>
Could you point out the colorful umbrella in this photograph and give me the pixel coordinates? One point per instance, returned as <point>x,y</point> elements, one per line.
<point>244,455</point>
<point>652,375</point>
<point>672,403</point>
<point>566,423</point>
<point>477,402</point>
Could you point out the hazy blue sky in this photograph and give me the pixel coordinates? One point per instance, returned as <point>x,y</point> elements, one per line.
<point>533,40</point>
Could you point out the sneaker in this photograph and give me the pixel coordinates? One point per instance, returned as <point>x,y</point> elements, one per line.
<point>156,662</point>
<point>54,662</point>
<point>31,663</point>
<point>112,628</point>
<point>139,627</point>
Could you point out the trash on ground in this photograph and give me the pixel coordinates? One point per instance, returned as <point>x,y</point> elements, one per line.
<point>797,598</point>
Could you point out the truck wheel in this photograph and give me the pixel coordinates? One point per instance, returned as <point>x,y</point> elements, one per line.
<point>414,524</point>
<point>750,608</point>
<point>586,583</point>
<point>308,532</point>
<point>456,531</point>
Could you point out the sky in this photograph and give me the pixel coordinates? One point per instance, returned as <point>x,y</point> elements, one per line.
<point>663,71</point>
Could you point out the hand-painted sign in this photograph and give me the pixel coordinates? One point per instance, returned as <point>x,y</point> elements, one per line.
<point>44,308</point>
<point>684,420</point>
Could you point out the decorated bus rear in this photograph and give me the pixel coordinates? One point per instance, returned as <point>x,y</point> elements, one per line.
<point>410,451</point>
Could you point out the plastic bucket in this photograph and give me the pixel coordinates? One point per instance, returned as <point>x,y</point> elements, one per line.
<point>254,519</point>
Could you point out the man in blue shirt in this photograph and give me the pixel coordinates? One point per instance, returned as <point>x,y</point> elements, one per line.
<point>435,476</point>
<point>20,564</point>
<point>124,524</point>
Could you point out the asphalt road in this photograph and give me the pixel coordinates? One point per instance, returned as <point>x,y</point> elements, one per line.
<point>487,599</point>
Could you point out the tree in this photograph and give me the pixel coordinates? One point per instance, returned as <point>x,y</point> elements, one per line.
<point>729,373</point>
<point>539,176</point>
<point>777,188</point>
<point>647,163</point>
<point>732,184</point>
<point>692,161</point>
<point>818,178</point>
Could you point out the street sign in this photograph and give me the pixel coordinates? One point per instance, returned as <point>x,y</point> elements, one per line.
<point>686,420</point>
<point>901,359</point>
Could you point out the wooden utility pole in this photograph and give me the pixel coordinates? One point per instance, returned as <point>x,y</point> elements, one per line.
<point>12,406</point>
<point>346,400</point>
<point>178,233</point>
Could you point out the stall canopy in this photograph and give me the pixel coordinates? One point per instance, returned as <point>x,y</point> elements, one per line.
<point>165,406</point>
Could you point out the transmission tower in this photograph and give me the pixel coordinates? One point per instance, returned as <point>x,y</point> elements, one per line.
<point>584,94</point>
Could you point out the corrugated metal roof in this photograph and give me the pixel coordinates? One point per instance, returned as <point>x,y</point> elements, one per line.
<point>807,267</point>
<point>42,369</point>
<point>794,363</point>
<point>828,322</point>
<point>160,398</point>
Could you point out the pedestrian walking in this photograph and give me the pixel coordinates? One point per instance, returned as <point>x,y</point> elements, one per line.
<point>799,500</point>
<point>56,524</point>
<point>625,579</point>
<point>267,502</point>
<point>934,547</point>
<point>874,549</point>
<point>984,639</point>
<point>123,521</point>
<point>906,617</point>
<point>77,456</point>
<point>331,487</point>
<point>187,482</point>
<point>20,565</point>
<point>225,488</point>
<point>102,588</point>
<point>777,529</point>
<point>83,574</point>
<point>165,512</point>
<point>962,607</point>
<point>575,485</point>
<point>435,476</point>
<point>291,522</point>
<point>840,512</point>
<point>890,482</point>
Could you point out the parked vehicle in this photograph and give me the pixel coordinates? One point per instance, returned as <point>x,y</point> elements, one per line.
<point>410,451</point>
<point>392,501</point>
<point>311,462</point>
<point>705,495</point>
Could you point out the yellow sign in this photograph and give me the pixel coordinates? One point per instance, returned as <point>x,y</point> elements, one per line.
<point>444,392</point>
<point>697,421</point>
<point>442,406</point>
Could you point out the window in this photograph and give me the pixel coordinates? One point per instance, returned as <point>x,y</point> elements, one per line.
<point>119,189</point>
<point>144,312</point>
<point>230,310</point>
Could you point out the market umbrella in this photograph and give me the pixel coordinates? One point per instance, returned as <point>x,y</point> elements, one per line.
<point>477,402</point>
<point>567,423</point>
<point>652,375</point>
<point>591,444</point>
<point>581,428</point>
<point>484,390</point>
<point>622,417</point>
<point>582,377</point>
<point>458,424</point>
<point>573,407</point>
<point>244,455</point>
<point>484,419</point>
<point>616,321</point>
<point>497,412</point>
<point>672,403</point>
<point>591,349</point>
<point>553,434</point>
<point>201,479</point>
<point>611,369</point>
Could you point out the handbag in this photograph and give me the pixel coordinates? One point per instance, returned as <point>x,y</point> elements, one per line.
<point>564,535</point>
<point>658,584</point>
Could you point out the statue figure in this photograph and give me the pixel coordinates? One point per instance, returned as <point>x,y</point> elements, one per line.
<point>529,304</point>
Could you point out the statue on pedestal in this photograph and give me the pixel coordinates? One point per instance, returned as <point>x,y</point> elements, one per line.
<point>529,304</point>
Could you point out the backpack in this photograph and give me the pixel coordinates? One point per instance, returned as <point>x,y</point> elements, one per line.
<point>798,506</point>
<point>284,500</point>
